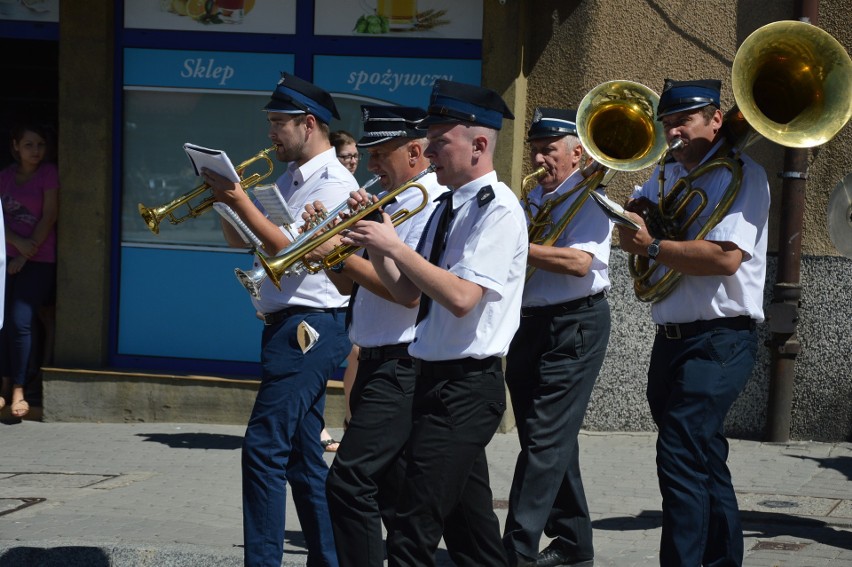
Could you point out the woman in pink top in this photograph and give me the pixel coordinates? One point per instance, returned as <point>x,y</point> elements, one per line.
<point>28,190</point>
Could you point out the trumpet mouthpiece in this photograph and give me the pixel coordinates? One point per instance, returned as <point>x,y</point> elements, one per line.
<point>676,144</point>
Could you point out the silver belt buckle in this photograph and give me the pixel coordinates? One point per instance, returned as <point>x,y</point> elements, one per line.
<point>672,331</point>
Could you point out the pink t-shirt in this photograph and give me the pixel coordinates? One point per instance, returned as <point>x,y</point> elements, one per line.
<point>23,205</point>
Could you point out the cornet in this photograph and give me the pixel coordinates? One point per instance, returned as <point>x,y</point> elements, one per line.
<point>153,216</point>
<point>291,261</point>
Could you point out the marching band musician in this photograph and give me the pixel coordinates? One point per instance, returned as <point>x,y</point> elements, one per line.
<point>556,355</point>
<point>469,275</point>
<point>706,342</point>
<point>364,479</point>
<point>303,340</point>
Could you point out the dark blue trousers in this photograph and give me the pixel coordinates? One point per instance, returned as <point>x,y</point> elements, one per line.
<point>364,480</point>
<point>552,367</point>
<point>282,441</point>
<point>692,384</point>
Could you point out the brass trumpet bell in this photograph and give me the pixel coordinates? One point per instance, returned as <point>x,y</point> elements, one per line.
<point>616,125</point>
<point>793,83</point>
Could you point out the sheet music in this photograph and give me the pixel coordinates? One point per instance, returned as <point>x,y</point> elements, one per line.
<point>214,160</point>
<point>277,210</point>
<point>235,221</point>
<point>613,210</point>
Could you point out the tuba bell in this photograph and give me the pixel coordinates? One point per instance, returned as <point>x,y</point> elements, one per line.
<point>153,216</point>
<point>792,85</point>
<point>616,127</point>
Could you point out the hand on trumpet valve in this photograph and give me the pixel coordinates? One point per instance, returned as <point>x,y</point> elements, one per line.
<point>315,214</point>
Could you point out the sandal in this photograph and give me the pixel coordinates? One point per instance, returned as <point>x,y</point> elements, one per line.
<point>20,408</point>
<point>327,443</point>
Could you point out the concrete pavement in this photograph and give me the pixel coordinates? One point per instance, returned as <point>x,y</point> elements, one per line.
<point>146,494</point>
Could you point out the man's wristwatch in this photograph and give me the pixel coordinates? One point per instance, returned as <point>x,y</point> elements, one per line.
<point>338,267</point>
<point>654,249</point>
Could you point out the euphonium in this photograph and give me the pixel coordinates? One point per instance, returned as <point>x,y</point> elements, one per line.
<point>292,260</point>
<point>153,216</point>
<point>792,84</point>
<point>617,130</point>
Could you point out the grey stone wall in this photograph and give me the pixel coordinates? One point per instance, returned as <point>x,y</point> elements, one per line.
<point>822,397</point>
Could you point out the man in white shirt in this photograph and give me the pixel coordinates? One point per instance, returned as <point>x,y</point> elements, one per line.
<point>557,353</point>
<point>469,277</point>
<point>303,341</point>
<point>364,479</point>
<point>706,340</point>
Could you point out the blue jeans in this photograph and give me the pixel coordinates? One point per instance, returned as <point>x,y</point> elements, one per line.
<point>282,441</point>
<point>26,291</point>
<point>692,384</point>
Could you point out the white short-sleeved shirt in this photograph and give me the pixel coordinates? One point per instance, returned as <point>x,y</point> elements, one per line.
<point>323,178</point>
<point>377,321</point>
<point>590,231</point>
<point>746,225</point>
<point>487,245</point>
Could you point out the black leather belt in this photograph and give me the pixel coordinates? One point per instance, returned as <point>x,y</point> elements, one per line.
<point>458,367</point>
<point>685,330</point>
<point>278,316</point>
<point>386,352</point>
<point>562,308</point>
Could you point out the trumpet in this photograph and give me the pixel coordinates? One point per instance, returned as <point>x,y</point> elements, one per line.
<point>253,279</point>
<point>616,127</point>
<point>153,216</point>
<point>291,261</point>
<point>814,104</point>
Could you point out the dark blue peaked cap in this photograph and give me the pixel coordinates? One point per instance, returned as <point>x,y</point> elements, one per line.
<point>552,122</point>
<point>296,96</point>
<point>687,95</point>
<point>383,123</point>
<point>467,104</point>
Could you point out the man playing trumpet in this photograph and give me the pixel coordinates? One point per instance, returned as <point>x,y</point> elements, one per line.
<point>303,342</point>
<point>364,479</point>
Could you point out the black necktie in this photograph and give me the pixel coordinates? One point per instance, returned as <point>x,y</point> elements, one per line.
<point>439,242</point>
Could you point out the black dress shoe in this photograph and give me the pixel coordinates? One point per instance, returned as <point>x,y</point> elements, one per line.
<point>554,556</point>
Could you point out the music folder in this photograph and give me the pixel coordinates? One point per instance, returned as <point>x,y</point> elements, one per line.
<point>214,160</point>
<point>614,211</point>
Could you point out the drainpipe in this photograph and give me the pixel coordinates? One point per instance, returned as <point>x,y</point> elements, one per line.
<point>783,312</point>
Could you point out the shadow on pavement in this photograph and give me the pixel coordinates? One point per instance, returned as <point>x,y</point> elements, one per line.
<point>771,525</point>
<point>842,465</point>
<point>195,440</point>
<point>54,557</point>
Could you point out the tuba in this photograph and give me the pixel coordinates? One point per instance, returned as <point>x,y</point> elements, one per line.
<point>153,216</point>
<point>616,127</point>
<point>792,84</point>
<point>291,261</point>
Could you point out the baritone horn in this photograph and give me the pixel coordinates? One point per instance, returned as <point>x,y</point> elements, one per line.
<point>618,132</point>
<point>153,216</point>
<point>291,261</point>
<point>792,84</point>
